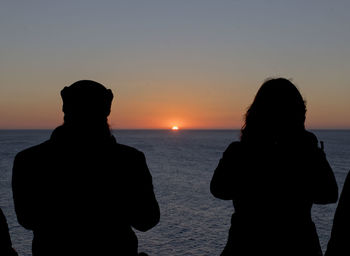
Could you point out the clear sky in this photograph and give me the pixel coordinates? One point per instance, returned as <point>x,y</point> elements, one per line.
<point>195,64</point>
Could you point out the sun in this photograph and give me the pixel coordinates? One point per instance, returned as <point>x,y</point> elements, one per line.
<point>175,128</point>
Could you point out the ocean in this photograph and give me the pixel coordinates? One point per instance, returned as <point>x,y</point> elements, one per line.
<point>181,162</point>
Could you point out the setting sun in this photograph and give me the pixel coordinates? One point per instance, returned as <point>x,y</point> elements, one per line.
<point>174,128</point>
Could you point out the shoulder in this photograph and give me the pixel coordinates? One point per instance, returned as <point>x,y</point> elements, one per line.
<point>234,148</point>
<point>309,136</point>
<point>308,141</point>
<point>33,152</point>
<point>128,151</point>
<point>133,160</point>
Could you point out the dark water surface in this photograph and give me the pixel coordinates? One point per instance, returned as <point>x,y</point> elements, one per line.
<point>182,164</point>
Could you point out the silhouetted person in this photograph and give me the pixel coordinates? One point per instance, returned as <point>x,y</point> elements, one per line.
<point>5,240</point>
<point>81,192</point>
<point>273,175</point>
<point>339,244</point>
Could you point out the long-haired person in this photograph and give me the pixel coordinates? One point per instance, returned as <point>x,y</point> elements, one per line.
<point>81,192</point>
<point>274,175</point>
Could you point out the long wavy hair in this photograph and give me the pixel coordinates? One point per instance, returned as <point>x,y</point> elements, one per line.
<point>278,108</point>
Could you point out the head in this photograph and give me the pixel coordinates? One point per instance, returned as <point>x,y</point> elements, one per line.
<point>278,107</point>
<point>86,103</point>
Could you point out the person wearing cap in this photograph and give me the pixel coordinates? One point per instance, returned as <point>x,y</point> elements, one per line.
<point>81,192</point>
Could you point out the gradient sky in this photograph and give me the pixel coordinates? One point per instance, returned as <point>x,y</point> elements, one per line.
<point>195,64</point>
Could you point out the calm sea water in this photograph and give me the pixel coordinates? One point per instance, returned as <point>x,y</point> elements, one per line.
<point>182,164</point>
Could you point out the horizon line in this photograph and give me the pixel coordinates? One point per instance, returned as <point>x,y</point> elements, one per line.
<point>164,129</point>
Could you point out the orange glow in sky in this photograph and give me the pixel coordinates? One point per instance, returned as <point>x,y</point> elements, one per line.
<point>180,64</point>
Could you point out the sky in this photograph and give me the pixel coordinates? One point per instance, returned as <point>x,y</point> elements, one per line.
<point>196,64</point>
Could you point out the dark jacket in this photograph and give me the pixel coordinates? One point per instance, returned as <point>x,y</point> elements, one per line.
<point>273,187</point>
<point>339,244</point>
<point>82,195</point>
